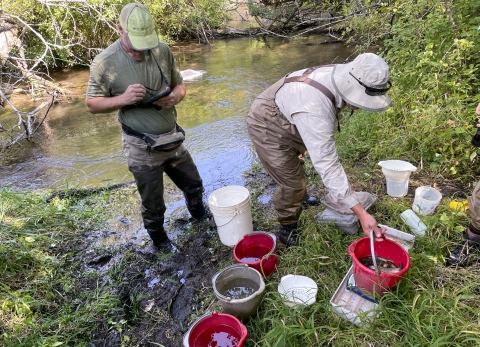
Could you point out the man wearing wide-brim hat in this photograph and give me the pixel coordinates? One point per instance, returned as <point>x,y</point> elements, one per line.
<point>299,113</point>
<point>138,76</point>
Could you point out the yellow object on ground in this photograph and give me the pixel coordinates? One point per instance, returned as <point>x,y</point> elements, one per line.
<point>457,205</point>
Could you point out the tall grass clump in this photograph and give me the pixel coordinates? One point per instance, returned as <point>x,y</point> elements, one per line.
<point>432,50</point>
<point>42,301</point>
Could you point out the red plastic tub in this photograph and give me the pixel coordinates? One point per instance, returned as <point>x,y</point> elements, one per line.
<point>259,251</point>
<point>367,280</point>
<point>216,329</point>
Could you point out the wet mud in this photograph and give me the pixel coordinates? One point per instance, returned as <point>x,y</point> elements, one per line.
<point>159,296</point>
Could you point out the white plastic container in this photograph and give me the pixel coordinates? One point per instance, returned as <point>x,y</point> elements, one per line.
<point>298,290</point>
<point>352,307</point>
<point>231,209</point>
<point>414,223</point>
<point>192,75</point>
<point>426,200</point>
<point>348,223</point>
<point>397,174</point>
<point>404,239</point>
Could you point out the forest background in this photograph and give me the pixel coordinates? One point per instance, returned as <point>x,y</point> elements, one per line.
<point>431,47</point>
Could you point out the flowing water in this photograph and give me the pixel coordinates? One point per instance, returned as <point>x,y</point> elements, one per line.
<point>75,149</point>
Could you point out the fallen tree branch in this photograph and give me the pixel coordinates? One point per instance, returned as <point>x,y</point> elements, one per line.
<point>27,120</point>
<point>78,193</point>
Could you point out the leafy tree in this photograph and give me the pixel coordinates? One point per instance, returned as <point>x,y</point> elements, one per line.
<point>432,48</point>
<point>40,35</point>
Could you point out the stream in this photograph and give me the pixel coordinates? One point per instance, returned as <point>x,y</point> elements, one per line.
<point>75,149</point>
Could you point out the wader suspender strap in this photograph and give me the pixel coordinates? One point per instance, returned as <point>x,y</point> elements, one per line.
<point>317,85</point>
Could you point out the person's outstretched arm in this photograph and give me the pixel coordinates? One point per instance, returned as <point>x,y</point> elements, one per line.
<point>107,104</point>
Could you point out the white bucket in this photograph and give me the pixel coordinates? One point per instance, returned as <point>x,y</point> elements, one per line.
<point>397,173</point>
<point>426,200</point>
<point>231,210</point>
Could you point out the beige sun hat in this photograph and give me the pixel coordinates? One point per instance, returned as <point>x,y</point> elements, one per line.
<point>137,22</point>
<point>364,82</point>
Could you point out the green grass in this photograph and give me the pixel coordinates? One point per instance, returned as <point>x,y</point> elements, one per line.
<point>48,299</point>
<point>431,306</point>
<point>41,302</point>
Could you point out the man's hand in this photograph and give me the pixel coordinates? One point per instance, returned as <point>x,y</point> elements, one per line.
<point>368,223</point>
<point>133,94</point>
<point>167,101</point>
<point>172,99</point>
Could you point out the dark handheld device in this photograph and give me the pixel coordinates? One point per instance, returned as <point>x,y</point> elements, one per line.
<point>148,103</point>
<point>476,138</point>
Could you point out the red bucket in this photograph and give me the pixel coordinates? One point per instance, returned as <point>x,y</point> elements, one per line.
<point>216,329</point>
<point>259,251</point>
<point>367,280</point>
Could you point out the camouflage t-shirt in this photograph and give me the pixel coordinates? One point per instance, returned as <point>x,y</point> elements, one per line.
<point>113,70</point>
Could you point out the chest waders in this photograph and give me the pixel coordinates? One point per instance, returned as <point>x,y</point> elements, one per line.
<point>148,163</point>
<point>278,144</point>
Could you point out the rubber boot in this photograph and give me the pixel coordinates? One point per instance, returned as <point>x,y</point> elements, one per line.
<point>288,234</point>
<point>154,225</point>
<point>309,200</point>
<point>462,252</point>
<point>195,206</point>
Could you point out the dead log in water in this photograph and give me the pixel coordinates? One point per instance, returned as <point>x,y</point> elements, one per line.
<point>80,193</point>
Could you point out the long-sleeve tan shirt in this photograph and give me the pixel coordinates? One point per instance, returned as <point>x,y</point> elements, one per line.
<point>314,115</point>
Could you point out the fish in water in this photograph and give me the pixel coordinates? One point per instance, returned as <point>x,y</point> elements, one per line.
<point>384,265</point>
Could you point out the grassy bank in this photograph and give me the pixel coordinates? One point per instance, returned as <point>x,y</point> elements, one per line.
<point>43,301</point>
<point>432,306</point>
<point>432,50</point>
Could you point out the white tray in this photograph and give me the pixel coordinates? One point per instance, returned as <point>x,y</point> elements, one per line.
<point>404,239</point>
<point>351,306</point>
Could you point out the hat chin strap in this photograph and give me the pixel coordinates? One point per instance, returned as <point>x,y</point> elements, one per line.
<point>338,120</point>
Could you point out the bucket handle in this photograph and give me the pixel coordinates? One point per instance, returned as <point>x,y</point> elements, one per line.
<point>372,250</point>
<point>234,215</point>
<point>271,252</point>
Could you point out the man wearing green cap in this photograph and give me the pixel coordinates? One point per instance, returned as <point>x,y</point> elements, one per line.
<point>138,77</point>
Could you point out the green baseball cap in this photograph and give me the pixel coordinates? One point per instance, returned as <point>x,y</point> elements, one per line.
<point>137,22</point>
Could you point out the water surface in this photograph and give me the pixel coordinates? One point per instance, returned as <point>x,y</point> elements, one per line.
<point>76,149</point>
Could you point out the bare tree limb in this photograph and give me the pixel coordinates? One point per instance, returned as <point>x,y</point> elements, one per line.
<point>450,16</point>
<point>25,120</point>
